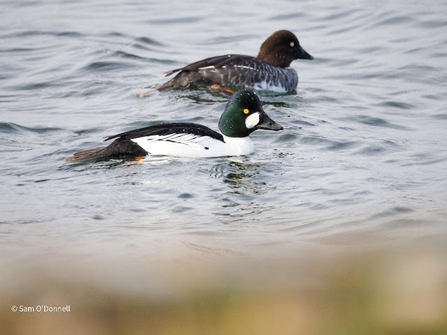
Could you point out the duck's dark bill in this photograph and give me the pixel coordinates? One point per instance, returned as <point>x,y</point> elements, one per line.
<point>303,54</point>
<point>268,124</point>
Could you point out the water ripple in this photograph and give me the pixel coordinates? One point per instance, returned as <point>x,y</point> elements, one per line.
<point>440,116</point>
<point>373,121</point>
<point>396,104</point>
<point>148,41</point>
<point>11,128</point>
<point>176,20</point>
<point>108,66</point>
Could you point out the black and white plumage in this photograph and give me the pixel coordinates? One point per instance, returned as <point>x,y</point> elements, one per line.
<point>174,139</point>
<point>270,70</point>
<point>243,115</point>
<point>168,129</point>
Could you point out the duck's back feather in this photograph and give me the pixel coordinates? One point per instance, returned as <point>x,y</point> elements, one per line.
<point>167,129</point>
<point>235,71</point>
<point>216,62</point>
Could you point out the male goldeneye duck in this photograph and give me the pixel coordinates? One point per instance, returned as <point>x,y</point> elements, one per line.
<point>242,116</point>
<point>270,70</point>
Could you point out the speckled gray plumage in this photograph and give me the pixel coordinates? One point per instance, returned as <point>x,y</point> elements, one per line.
<point>270,70</point>
<point>235,71</point>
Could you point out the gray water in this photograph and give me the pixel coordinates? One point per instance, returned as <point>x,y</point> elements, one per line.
<point>362,158</point>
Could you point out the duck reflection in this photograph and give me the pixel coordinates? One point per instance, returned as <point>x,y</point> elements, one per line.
<point>246,184</point>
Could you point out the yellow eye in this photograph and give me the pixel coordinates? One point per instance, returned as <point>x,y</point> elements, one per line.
<point>246,111</point>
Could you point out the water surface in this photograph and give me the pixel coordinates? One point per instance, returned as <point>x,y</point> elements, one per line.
<point>362,158</point>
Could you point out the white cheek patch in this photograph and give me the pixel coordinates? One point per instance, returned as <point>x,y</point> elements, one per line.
<point>252,120</point>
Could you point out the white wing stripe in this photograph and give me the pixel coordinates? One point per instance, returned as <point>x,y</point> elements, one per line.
<point>177,138</point>
<point>245,67</point>
<point>207,67</point>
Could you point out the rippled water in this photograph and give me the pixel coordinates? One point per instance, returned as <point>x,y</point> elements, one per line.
<point>362,158</point>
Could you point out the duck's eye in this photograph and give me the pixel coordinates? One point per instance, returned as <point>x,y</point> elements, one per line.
<point>246,111</point>
<point>292,44</point>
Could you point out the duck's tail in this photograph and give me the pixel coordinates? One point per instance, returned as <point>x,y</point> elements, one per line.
<point>88,155</point>
<point>121,147</point>
<point>183,80</point>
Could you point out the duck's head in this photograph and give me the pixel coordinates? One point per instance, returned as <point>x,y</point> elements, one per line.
<point>281,49</point>
<point>244,114</point>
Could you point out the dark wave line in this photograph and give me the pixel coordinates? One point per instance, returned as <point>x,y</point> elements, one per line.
<point>10,128</point>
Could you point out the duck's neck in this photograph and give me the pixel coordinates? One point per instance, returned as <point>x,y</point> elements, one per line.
<point>274,58</point>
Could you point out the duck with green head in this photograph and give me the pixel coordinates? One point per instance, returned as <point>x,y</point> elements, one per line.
<point>242,116</point>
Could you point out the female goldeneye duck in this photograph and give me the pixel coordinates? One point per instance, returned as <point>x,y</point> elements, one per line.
<point>242,116</point>
<point>270,70</point>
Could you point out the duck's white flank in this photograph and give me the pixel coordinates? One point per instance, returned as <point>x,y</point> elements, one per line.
<point>266,86</point>
<point>189,145</point>
<point>277,86</point>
